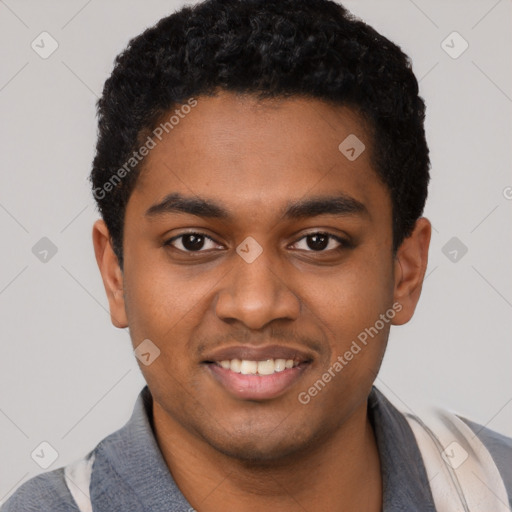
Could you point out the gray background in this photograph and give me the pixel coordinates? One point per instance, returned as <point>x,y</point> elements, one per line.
<point>68,377</point>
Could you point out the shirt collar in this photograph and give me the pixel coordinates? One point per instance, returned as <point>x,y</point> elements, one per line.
<point>130,469</point>
<point>131,456</point>
<point>405,483</point>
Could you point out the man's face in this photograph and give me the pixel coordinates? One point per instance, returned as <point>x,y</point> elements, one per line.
<point>305,298</point>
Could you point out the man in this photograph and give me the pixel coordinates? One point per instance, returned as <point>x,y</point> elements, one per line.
<point>261,172</point>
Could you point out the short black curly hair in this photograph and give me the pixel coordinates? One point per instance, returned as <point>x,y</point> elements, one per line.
<point>311,48</point>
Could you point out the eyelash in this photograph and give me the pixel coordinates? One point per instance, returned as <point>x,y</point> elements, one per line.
<point>344,244</point>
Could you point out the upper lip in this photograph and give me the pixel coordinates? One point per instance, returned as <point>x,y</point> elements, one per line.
<point>251,353</point>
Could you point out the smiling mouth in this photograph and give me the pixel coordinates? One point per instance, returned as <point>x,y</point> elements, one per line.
<point>257,380</point>
<point>265,367</point>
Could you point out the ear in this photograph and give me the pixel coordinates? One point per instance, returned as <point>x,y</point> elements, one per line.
<point>410,265</point>
<point>111,273</point>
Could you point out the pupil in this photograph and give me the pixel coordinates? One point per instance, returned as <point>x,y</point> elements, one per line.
<point>193,242</point>
<point>319,241</point>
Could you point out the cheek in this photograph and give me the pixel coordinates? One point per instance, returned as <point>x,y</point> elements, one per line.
<point>348,306</point>
<point>163,309</point>
<point>155,302</point>
<point>351,297</point>
<point>158,293</point>
<point>167,305</point>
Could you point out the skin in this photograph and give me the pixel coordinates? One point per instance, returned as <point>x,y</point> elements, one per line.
<point>226,453</point>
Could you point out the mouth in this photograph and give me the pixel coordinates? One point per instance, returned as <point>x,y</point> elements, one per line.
<point>265,367</point>
<point>257,374</point>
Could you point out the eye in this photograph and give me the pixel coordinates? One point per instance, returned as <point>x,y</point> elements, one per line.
<point>191,242</point>
<point>319,241</point>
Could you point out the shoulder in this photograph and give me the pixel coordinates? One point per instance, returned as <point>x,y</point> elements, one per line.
<point>500,448</point>
<point>46,492</point>
<point>468,454</point>
<point>492,439</point>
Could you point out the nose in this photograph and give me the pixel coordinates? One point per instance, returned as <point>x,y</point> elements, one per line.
<point>256,293</point>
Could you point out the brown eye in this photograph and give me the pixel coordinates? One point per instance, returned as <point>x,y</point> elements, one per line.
<point>191,242</point>
<point>320,241</point>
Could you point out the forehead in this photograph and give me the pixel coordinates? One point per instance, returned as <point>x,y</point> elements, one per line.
<point>254,156</point>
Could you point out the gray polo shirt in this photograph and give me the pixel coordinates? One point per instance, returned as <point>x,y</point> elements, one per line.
<point>129,473</point>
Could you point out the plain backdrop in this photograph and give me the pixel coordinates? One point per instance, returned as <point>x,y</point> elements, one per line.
<point>68,377</point>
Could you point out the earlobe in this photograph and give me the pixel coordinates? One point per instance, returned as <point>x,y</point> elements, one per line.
<point>410,266</point>
<point>111,273</point>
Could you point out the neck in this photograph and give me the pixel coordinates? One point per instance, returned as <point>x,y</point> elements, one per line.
<point>342,473</point>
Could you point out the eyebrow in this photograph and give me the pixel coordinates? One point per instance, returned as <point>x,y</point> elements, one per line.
<point>341,204</point>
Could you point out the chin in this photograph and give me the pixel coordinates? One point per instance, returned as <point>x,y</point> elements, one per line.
<point>265,447</point>
<point>258,455</point>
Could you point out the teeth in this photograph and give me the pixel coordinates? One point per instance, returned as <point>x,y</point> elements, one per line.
<point>280,364</point>
<point>267,367</point>
<point>248,367</point>
<point>235,365</point>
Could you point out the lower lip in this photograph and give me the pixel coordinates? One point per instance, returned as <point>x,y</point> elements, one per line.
<point>257,387</point>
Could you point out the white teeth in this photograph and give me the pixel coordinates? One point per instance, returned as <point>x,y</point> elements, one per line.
<point>248,367</point>
<point>280,364</point>
<point>267,367</point>
<point>235,365</point>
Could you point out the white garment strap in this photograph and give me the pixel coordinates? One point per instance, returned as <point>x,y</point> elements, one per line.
<point>78,479</point>
<point>462,473</point>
